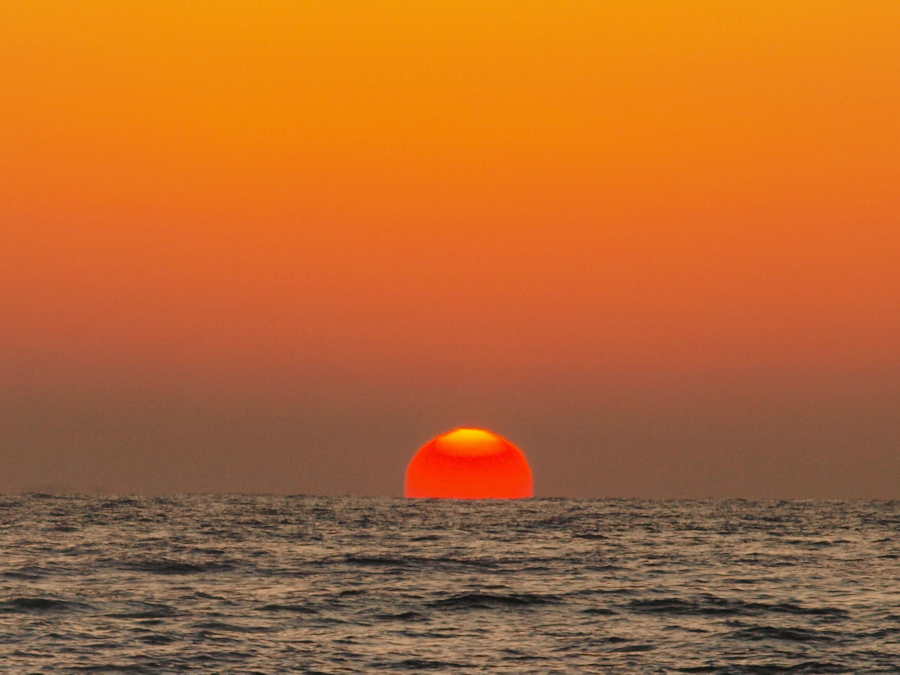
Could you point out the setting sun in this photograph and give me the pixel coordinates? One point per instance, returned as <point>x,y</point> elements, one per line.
<point>469,464</point>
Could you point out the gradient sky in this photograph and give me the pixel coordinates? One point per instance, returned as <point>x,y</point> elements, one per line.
<point>276,246</point>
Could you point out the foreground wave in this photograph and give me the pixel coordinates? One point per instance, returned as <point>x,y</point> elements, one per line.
<point>237,584</point>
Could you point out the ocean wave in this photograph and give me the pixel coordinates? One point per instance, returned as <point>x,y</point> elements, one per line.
<point>375,561</point>
<point>709,605</point>
<point>401,616</point>
<point>493,600</point>
<point>757,633</point>
<point>147,610</point>
<point>32,572</point>
<point>222,626</point>
<point>167,566</point>
<point>23,605</point>
<point>293,608</point>
<point>424,664</point>
<point>414,561</point>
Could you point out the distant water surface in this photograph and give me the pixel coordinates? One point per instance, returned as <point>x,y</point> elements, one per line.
<point>243,584</point>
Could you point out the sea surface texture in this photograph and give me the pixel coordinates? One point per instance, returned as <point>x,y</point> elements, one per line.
<point>246,584</point>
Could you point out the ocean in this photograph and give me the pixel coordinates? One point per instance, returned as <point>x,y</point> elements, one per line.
<point>264,584</point>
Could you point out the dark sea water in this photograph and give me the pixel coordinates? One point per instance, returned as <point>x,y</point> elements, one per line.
<point>245,584</point>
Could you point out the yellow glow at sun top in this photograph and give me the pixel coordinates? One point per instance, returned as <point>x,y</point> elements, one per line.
<point>470,442</point>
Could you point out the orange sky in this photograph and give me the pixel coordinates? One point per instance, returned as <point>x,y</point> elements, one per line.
<point>448,192</point>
